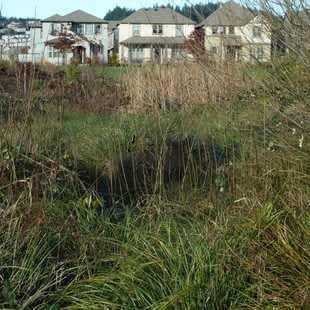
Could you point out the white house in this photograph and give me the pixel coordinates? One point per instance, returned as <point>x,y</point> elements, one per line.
<point>11,45</point>
<point>87,34</point>
<point>234,32</point>
<point>153,35</point>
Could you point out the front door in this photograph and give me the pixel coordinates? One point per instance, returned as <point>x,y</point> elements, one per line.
<point>79,53</point>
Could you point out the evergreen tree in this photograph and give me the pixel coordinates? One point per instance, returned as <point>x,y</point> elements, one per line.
<point>118,13</point>
<point>198,12</point>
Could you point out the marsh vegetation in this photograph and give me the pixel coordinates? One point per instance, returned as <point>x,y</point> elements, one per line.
<point>178,186</point>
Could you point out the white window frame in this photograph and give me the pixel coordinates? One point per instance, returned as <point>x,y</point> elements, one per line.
<point>257,52</point>
<point>231,30</point>
<point>89,29</point>
<point>136,30</point>
<point>221,29</point>
<point>157,29</point>
<point>80,28</point>
<point>98,29</point>
<point>52,52</point>
<point>179,30</point>
<point>257,31</point>
<point>136,53</point>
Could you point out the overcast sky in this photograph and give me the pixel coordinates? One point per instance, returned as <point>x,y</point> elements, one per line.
<point>45,8</point>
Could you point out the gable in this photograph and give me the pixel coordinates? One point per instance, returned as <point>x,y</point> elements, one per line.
<point>230,14</point>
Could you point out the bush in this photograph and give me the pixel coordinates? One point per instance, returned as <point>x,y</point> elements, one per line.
<point>73,73</point>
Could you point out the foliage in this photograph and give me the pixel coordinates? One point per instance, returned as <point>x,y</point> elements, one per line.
<point>195,43</point>
<point>73,72</point>
<point>118,13</point>
<point>113,60</point>
<point>63,43</point>
<point>197,12</point>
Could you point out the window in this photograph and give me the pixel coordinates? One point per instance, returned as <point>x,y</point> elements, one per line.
<point>52,52</point>
<point>136,54</point>
<point>157,29</point>
<point>136,30</point>
<point>80,28</point>
<point>260,53</point>
<point>56,27</point>
<point>218,29</point>
<point>97,29</point>
<point>231,30</point>
<point>257,31</point>
<point>257,53</point>
<point>221,29</point>
<point>214,50</point>
<point>177,53</point>
<point>88,29</point>
<point>179,31</point>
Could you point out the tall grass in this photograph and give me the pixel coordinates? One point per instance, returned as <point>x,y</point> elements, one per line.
<point>178,187</point>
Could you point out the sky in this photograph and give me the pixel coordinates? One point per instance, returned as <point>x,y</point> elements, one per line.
<point>44,8</point>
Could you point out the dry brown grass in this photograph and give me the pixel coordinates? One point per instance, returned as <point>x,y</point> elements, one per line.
<point>178,86</point>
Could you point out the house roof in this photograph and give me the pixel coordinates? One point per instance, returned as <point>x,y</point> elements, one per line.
<point>53,18</point>
<point>77,16</point>
<point>161,15</point>
<point>230,14</point>
<point>35,25</point>
<point>137,40</point>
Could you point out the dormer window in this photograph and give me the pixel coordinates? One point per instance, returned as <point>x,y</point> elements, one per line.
<point>157,29</point>
<point>136,30</point>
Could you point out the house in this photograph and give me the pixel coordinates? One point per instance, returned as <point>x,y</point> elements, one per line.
<point>17,27</point>
<point>153,35</point>
<point>77,35</point>
<point>234,32</point>
<point>12,44</point>
<point>34,53</point>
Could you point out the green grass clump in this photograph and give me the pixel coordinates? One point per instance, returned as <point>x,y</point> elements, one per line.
<point>163,264</point>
